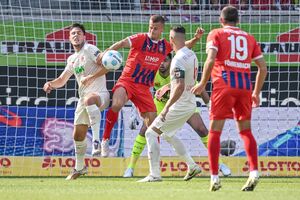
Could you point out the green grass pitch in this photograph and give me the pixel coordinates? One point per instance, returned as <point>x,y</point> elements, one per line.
<point>128,189</point>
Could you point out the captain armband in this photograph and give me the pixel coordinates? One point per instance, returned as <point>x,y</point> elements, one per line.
<point>179,73</point>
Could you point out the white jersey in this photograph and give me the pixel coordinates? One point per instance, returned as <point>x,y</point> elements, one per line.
<point>185,60</point>
<point>83,63</point>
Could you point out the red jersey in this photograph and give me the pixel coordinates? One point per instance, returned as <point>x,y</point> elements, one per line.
<point>236,50</point>
<point>144,59</point>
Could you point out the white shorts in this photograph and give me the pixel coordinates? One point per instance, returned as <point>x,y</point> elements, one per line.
<point>81,115</point>
<point>175,119</point>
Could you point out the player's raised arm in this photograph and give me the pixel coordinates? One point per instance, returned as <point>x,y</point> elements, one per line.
<point>198,34</point>
<point>58,82</point>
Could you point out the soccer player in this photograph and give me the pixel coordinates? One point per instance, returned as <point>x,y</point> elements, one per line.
<point>178,109</point>
<point>147,51</point>
<point>230,51</point>
<point>162,88</point>
<point>93,97</point>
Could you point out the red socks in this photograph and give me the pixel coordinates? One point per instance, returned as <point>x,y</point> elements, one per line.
<point>250,148</point>
<point>213,147</point>
<point>111,119</point>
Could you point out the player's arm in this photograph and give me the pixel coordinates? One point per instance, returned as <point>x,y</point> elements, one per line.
<point>198,34</point>
<point>208,66</point>
<point>125,43</point>
<point>101,70</point>
<point>162,91</point>
<point>58,82</point>
<point>176,92</point>
<point>259,81</point>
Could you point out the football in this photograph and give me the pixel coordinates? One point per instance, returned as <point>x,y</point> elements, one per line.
<point>112,60</point>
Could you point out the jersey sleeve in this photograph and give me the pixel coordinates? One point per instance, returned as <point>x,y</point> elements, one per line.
<point>136,40</point>
<point>93,52</point>
<point>212,41</point>
<point>178,70</point>
<point>256,51</point>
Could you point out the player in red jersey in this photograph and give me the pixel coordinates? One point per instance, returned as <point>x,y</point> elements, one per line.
<point>229,54</point>
<point>147,52</point>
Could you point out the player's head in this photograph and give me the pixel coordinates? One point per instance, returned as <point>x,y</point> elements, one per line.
<point>77,34</point>
<point>177,37</point>
<point>156,26</point>
<point>165,65</point>
<point>229,16</point>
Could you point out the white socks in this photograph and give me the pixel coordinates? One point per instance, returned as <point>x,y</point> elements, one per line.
<point>153,152</point>
<point>214,178</point>
<point>95,117</point>
<point>180,150</point>
<point>254,174</point>
<point>80,149</point>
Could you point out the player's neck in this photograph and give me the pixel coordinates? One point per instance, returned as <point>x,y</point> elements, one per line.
<point>178,47</point>
<point>164,74</point>
<point>77,48</point>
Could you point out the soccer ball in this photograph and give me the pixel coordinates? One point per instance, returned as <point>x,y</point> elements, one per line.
<point>112,60</point>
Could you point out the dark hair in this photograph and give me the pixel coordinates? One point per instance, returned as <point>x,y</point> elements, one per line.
<point>178,29</point>
<point>157,19</point>
<point>230,14</point>
<point>77,25</point>
<point>169,56</point>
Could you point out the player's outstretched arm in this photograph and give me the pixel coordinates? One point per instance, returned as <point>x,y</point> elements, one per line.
<point>58,82</point>
<point>198,34</point>
<point>121,44</point>
<point>259,81</point>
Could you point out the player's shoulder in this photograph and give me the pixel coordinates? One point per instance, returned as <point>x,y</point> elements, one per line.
<point>216,31</point>
<point>138,35</point>
<point>88,46</point>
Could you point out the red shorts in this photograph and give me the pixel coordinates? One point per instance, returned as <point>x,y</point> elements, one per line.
<point>228,103</point>
<point>139,94</point>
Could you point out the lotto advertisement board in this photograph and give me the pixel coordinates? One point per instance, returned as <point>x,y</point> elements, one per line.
<point>170,166</point>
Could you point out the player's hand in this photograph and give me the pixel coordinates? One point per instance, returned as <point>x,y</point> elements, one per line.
<point>161,92</point>
<point>199,33</point>
<point>198,89</point>
<point>47,87</point>
<point>255,100</point>
<point>163,114</point>
<point>87,80</point>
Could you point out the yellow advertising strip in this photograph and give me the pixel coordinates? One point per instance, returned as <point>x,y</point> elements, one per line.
<point>170,166</point>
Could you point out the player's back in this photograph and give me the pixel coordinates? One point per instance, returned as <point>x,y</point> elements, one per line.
<point>186,60</point>
<point>235,51</point>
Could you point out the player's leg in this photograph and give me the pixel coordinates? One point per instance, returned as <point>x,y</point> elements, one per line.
<point>119,99</point>
<point>79,136</point>
<point>138,147</point>
<point>193,168</point>
<point>250,145</point>
<point>242,113</point>
<point>153,155</point>
<point>92,103</point>
<point>196,122</point>
<point>213,148</point>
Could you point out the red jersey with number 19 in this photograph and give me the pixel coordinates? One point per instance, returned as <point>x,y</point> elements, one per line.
<point>236,50</point>
<point>144,59</point>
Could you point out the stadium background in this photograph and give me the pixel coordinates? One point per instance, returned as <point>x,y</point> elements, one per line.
<point>36,129</point>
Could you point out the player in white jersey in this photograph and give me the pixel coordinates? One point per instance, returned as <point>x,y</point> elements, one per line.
<point>93,94</point>
<point>178,109</point>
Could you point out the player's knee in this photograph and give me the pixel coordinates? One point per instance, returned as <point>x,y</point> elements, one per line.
<point>91,99</point>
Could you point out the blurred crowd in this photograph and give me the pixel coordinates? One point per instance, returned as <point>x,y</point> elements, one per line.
<point>219,4</point>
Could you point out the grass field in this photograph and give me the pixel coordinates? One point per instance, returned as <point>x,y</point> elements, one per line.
<point>129,189</point>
